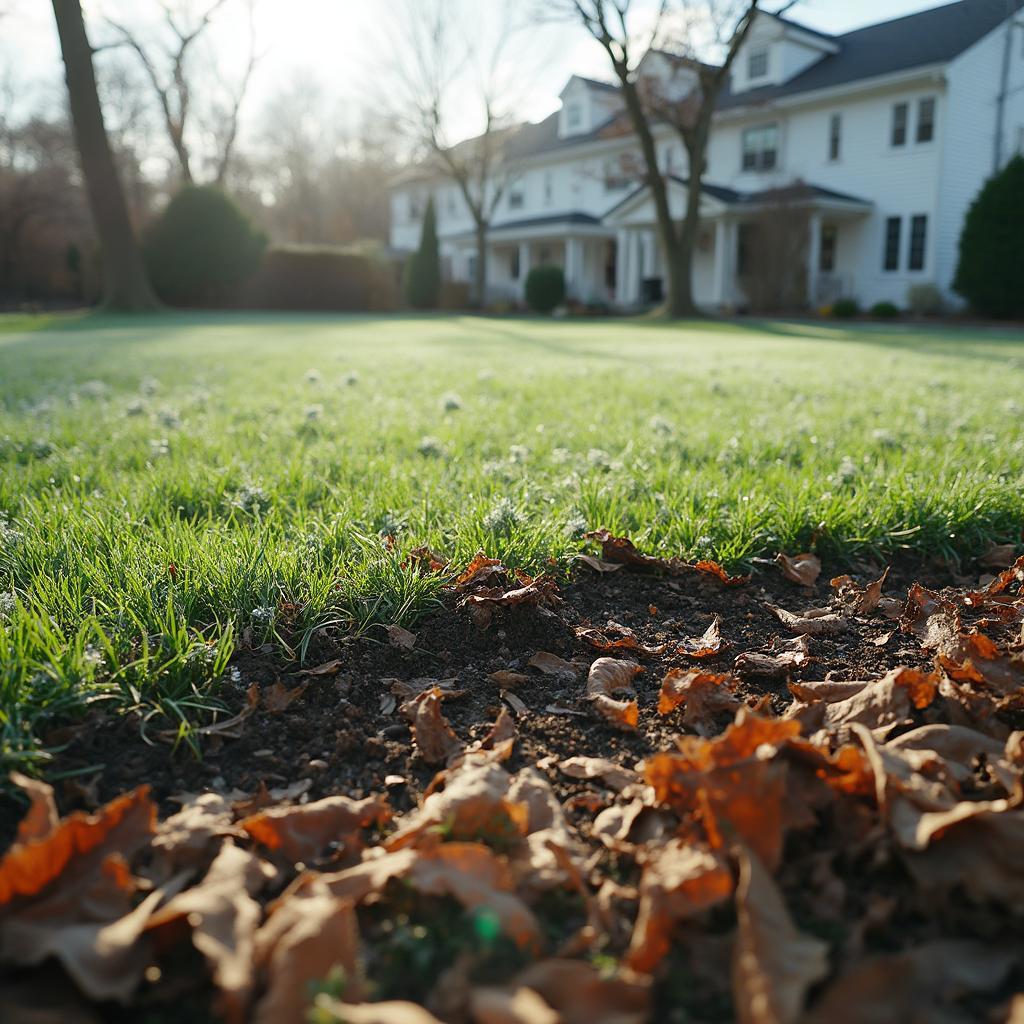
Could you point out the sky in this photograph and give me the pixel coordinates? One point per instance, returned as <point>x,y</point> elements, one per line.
<point>344,43</point>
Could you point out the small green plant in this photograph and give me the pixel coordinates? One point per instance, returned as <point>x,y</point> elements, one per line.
<point>202,249</point>
<point>992,246</point>
<point>845,309</point>
<point>885,311</point>
<point>545,288</point>
<point>423,269</point>
<point>924,300</point>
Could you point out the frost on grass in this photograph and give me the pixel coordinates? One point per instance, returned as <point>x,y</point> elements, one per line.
<point>502,517</point>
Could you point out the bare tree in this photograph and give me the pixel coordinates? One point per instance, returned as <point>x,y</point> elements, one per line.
<point>173,81</point>
<point>442,74</point>
<point>700,39</point>
<point>126,286</point>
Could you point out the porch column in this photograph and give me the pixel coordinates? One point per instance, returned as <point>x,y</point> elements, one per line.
<point>719,297</point>
<point>622,266</point>
<point>813,259</point>
<point>524,267</point>
<point>573,266</point>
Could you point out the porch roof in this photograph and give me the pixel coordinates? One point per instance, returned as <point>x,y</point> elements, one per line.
<point>718,200</point>
<point>576,222</point>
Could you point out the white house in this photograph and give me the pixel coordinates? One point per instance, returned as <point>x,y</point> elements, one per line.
<point>880,138</point>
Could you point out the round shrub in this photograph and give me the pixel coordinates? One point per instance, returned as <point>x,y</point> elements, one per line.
<point>201,249</point>
<point>885,311</point>
<point>845,308</point>
<point>990,275</point>
<point>545,288</point>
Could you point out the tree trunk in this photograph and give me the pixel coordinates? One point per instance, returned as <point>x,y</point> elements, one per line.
<point>480,277</point>
<point>126,286</point>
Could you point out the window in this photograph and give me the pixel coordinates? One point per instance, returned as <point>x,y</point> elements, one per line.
<point>899,124</point>
<point>926,120</point>
<point>760,148</point>
<point>835,136</point>
<point>516,199</point>
<point>615,176</point>
<point>513,267</point>
<point>827,256</point>
<point>918,238</point>
<point>893,226</point>
<point>668,161</point>
<point>757,64</point>
<point>549,188</point>
<point>415,206</point>
<point>573,116</point>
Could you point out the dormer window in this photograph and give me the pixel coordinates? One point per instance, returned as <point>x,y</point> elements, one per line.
<point>516,199</point>
<point>573,116</point>
<point>757,64</point>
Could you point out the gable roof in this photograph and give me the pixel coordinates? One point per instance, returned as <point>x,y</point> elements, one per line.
<point>934,36</point>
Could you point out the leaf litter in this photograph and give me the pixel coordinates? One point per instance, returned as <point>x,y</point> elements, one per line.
<point>804,825</point>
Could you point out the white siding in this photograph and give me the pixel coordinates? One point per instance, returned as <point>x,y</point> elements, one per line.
<point>968,146</point>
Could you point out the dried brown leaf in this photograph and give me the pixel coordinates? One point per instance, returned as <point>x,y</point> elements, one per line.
<point>598,564</point>
<point>508,680</point>
<point>624,714</point>
<point>552,665</point>
<point>610,676</point>
<point>808,624</point>
<point>774,965</point>
<point>610,773</point>
<point>434,737</point>
<point>302,832</point>
<point>328,668</point>
<point>802,569</point>
<point>859,600</point>
<point>703,695</point>
<point>279,698</point>
<point>679,880</point>
<point>704,646</point>
<point>401,638</point>
<point>708,568</point>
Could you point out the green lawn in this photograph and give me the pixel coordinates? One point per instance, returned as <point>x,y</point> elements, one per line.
<point>167,482</point>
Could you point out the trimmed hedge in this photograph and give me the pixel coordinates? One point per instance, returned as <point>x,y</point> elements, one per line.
<point>324,279</point>
<point>545,288</point>
<point>202,249</point>
<point>991,270</point>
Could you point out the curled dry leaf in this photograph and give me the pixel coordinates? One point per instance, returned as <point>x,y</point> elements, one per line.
<point>223,917</point>
<point>1002,583</point>
<point>423,560</point>
<point>703,695</point>
<point>508,680</point>
<point>42,817</point>
<point>473,804</point>
<point>679,880</point>
<point>303,832</point>
<point>931,618</point>
<point>774,965</point>
<point>610,676</point>
<point>624,714</point>
<point>814,622</point>
<point>708,568</point>
<point>598,564</point>
<point>553,665</point>
<point>731,780</point>
<point>537,592</point>
<point>434,738</point>
<point>328,668</point>
<point>785,656</point>
<point>858,600</point>
<point>401,638</point>
<point>278,698</point>
<point>306,935</point>
<point>615,637</point>
<point>877,704</point>
<point>482,571</point>
<point>183,840</point>
<point>610,773</point>
<point>802,569</point>
<point>704,646</point>
<point>623,551</point>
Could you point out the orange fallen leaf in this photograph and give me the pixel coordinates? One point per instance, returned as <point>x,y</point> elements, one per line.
<point>708,568</point>
<point>302,832</point>
<point>434,738</point>
<point>704,695</point>
<point>704,646</point>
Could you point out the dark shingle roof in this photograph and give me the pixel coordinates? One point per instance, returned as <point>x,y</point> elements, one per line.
<point>916,40</point>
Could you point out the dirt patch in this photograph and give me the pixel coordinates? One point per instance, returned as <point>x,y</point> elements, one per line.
<point>760,813</point>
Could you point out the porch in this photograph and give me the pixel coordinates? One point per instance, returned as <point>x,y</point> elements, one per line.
<point>578,243</point>
<point>785,248</point>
